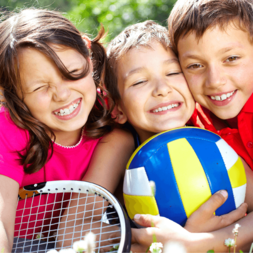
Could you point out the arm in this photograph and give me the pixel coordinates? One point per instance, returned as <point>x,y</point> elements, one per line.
<point>110,158</point>
<point>166,230</point>
<point>249,188</point>
<point>106,168</point>
<point>8,204</point>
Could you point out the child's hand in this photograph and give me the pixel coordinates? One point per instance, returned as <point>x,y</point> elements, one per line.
<point>204,220</point>
<point>163,229</point>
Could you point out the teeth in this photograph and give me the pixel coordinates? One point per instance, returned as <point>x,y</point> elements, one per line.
<point>165,108</point>
<point>223,96</point>
<point>69,110</point>
<point>66,111</point>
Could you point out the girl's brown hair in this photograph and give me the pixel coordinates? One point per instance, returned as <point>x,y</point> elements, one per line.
<point>199,15</point>
<point>38,28</point>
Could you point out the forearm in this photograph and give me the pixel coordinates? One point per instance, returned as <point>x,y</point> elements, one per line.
<point>5,240</point>
<point>202,242</point>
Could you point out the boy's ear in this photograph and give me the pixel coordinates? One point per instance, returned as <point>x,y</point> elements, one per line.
<point>119,115</point>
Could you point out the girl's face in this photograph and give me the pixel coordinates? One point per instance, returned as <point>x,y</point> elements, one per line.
<point>63,105</point>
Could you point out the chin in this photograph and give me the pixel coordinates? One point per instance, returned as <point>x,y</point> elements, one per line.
<point>171,127</point>
<point>226,116</point>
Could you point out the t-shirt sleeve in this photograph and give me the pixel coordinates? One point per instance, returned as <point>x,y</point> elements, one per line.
<point>12,140</point>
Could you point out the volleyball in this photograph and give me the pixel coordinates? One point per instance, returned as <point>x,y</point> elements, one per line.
<point>187,165</point>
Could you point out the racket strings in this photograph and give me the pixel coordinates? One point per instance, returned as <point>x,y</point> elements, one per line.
<point>38,220</point>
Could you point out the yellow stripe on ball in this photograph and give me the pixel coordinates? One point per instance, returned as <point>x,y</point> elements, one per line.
<point>192,183</point>
<point>140,205</point>
<point>237,174</point>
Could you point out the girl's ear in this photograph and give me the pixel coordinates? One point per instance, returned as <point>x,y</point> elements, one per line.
<point>87,41</point>
<point>119,115</point>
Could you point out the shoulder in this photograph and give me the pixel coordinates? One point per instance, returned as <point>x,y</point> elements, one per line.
<point>12,139</point>
<point>10,133</point>
<point>119,137</point>
<point>110,158</point>
<point>115,145</point>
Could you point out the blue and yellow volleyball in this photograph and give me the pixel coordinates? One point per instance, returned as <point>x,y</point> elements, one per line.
<point>188,165</point>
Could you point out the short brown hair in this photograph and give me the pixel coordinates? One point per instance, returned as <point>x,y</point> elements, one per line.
<point>137,35</point>
<point>199,15</point>
<point>39,28</point>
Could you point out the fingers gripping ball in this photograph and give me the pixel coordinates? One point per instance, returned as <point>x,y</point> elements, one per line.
<point>188,165</point>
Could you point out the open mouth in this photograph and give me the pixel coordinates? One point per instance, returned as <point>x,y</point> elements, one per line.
<point>68,110</point>
<point>166,108</point>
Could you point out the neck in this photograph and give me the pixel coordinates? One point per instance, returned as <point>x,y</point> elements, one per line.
<point>220,124</point>
<point>232,122</point>
<point>68,138</point>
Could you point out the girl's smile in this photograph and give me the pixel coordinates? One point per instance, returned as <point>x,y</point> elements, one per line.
<point>69,111</point>
<point>61,104</point>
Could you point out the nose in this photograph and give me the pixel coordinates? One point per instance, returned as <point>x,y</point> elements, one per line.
<point>61,91</point>
<point>161,88</point>
<point>215,77</point>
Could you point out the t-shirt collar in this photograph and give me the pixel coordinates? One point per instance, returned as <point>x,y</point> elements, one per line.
<point>248,107</point>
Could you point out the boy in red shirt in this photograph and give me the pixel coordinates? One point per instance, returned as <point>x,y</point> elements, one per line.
<point>213,40</point>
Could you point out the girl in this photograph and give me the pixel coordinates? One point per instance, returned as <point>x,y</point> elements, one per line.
<point>52,118</point>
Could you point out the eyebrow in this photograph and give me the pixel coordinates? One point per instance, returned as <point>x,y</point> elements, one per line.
<point>137,70</point>
<point>222,50</point>
<point>229,48</point>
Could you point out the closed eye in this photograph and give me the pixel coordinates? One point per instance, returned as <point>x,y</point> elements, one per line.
<point>41,87</point>
<point>139,82</point>
<point>173,73</point>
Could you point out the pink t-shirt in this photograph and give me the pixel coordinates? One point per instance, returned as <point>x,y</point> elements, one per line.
<point>65,164</point>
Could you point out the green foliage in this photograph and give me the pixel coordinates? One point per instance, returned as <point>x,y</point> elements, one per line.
<point>87,15</point>
<point>210,251</point>
<point>115,15</point>
<point>59,5</point>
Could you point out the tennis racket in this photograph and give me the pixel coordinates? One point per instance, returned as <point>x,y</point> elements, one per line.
<point>55,214</point>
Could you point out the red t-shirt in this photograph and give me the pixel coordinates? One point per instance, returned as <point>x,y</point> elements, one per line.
<point>241,139</point>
